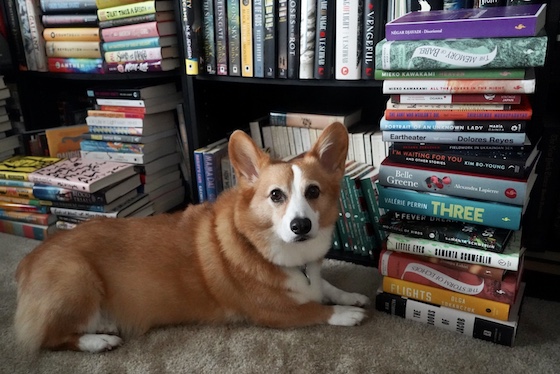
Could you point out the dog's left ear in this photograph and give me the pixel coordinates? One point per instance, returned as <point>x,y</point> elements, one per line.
<point>331,147</point>
<point>246,158</point>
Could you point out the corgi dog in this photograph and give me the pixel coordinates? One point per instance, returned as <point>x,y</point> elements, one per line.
<point>254,256</point>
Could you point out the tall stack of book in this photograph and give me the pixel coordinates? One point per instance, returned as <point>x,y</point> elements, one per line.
<point>457,180</point>
<point>9,141</point>
<point>138,125</point>
<point>71,36</point>
<point>138,36</point>
<point>21,212</point>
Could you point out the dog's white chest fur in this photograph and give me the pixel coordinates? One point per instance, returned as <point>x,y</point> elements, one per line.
<point>305,283</point>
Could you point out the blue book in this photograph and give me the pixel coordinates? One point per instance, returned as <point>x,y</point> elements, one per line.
<point>199,169</point>
<point>444,206</point>
<point>213,170</point>
<point>156,41</point>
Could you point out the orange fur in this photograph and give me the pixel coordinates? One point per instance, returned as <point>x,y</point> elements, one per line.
<point>208,264</point>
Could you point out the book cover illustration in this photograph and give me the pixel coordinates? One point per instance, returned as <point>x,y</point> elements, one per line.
<point>461,53</point>
<point>18,167</point>
<point>483,22</point>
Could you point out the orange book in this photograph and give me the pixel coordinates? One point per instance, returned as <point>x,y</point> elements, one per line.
<point>77,34</point>
<point>522,111</point>
<point>447,298</point>
<point>127,109</point>
<point>64,141</point>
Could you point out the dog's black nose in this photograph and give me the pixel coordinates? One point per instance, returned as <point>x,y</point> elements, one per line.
<point>300,226</point>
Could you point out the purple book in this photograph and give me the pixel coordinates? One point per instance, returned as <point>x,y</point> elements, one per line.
<point>508,21</point>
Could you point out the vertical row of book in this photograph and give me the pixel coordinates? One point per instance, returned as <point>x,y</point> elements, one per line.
<point>458,177</point>
<point>94,36</point>
<point>304,39</point>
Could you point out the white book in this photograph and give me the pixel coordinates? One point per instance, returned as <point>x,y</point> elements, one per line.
<point>163,119</point>
<point>268,140</point>
<point>348,35</point>
<point>307,38</point>
<point>132,158</point>
<point>141,103</point>
<point>306,138</point>
<point>298,140</point>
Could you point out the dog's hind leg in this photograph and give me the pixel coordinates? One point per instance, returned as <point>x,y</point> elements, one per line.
<point>60,307</point>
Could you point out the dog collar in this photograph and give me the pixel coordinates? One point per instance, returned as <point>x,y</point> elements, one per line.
<point>303,269</point>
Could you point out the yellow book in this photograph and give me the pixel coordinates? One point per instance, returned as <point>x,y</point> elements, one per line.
<point>246,28</point>
<point>80,34</point>
<point>73,49</point>
<point>447,298</point>
<point>134,9</point>
<point>19,167</point>
<point>101,4</point>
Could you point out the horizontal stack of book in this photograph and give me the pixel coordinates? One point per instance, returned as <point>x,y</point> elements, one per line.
<point>303,39</point>
<point>71,36</point>
<point>9,141</point>
<point>138,125</point>
<point>138,36</point>
<point>457,180</point>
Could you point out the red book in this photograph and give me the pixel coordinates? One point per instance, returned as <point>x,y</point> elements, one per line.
<point>415,269</point>
<point>125,109</point>
<point>522,111</point>
<point>456,99</point>
<point>114,114</point>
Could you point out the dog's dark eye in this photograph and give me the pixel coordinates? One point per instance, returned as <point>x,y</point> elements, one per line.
<point>277,196</point>
<point>312,192</point>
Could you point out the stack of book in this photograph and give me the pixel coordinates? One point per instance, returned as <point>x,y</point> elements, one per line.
<point>9,141</point>
<point>138,125</point>
<point>71,36</point>
<point>21,213</point>
<point>457,180</point>
<point>138,36</point>
<point>80,189</point>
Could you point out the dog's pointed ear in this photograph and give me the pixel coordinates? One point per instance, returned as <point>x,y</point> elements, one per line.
<point>331,147</point>
<point>246,158</point>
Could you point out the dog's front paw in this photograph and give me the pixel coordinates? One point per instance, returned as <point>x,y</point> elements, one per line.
<point>355,299</point>
<point>347,315</point>
<point>96,343</point>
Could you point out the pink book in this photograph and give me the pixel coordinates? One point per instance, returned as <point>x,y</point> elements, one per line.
<point>415,269</point>
<point>138,31</point>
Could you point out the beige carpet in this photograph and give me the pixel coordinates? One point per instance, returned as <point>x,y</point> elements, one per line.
<point>383,344</point>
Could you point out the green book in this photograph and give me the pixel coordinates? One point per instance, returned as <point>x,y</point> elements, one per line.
<point>505,73</point>
<point>485,53</point>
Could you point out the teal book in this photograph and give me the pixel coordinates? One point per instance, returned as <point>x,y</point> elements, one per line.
<point>480,212</point>
<point>157,41</point>
<point>484,53</point>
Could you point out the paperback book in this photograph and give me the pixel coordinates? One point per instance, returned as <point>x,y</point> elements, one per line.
<point>453,125</point>
<point>482,98</point>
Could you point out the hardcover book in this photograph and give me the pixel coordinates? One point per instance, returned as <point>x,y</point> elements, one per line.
<point>270,55</point>
<point>233,38</point>
<point>482,98</point>
<point>156,121</point>
<point>452,125</point>
<point>26,229</point>
<point>511,164</point>
<point>454,137</point>
<point>488,53</point>
<point>246,31</point>
<point>324,40</point>
<point>458,321</point>
<point>29,217</point>
<point>191,21</point>
<point>373,23</point>
<point>294,18</point>
<point>220,23</point>
<point>282,38</point>
<point>129,138</point>
<point>414,269</point>
<point>73,49</point>
<point>438,205</point>
<point>447,298</point>
<point>121,147</point>
<point>150,66</point>
<point>141,54</point>
<point>133,93</point>
<point>258,38</point>
<point>505,73</point>
<point>347,51</point>
<point>72,33</point>
<point>61,20</point>
<point>446,231</point>
<point>75,65</point>
<point>139,30</point>
<point>82,174</point>
<point>208,57</point>
<point>456,183</point>
<point>19,167</point>
<point>126,157</point>
<point>492,22</point>
<point>107,207</point>
<point>307,38</point>
<point>126,209</point>
<point>134,9</point>
<point>509,259</point>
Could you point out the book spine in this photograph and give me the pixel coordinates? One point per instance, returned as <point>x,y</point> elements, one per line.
<point>54,193</point>
<point>108,146</point>
<point>212,175</point>
<point>270,57</point>
<point>509,167</point>
<point>16,207</point>
<point>200,176</point>
<point>465,323</point>
<point>136,66</point>
<point>454,137</point>
<point>113,138</point>
<point>453,86</point>
<point>507,126</point>
<point>234,38</point>
<point>114,114</point>
<point>308,120</point>
<point>116,130</point>
<point>76,65</point>
<point>221,32</point>
<point>145,18</point>
<point>444,206</point>
<point>362,216</point>
<point>348,34</point>
<point>246,31</point>
<point>14,33</point>
<point>401,146</point>
<point>27,230</point>
<point>369,38</point>
<point>453,252</point>
<point>307,38</point>
<point>152,42</point>
<point>132,158</point>
<point>81,206</point>
<point>324,40</point>
<point>60,20</point>
<point>453,106</point>
<point>258,38</point>
<point>35,34</point>
<point>127,10</point>
<point>12,183</point>
<point>73,49</point>
<point>136,103</point>
<point>294,18</point>
<point>414,269</point>
<point>347,224</point>
<point>451,299</point>
<point>62,6</point>
<point>473,186</point>
<point>461,54</point>
<point>208,37</point>
<point>26,192</point>
<point>368,186</point>
<point>114,121</point>
<point>190,22</point>
<point>282,39</point>
<point>134,55</point>
<point>128,32</point>
<point>72,33</point>
<point>498,73</point>
<point>456,99</point>
<point>102,4</point>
